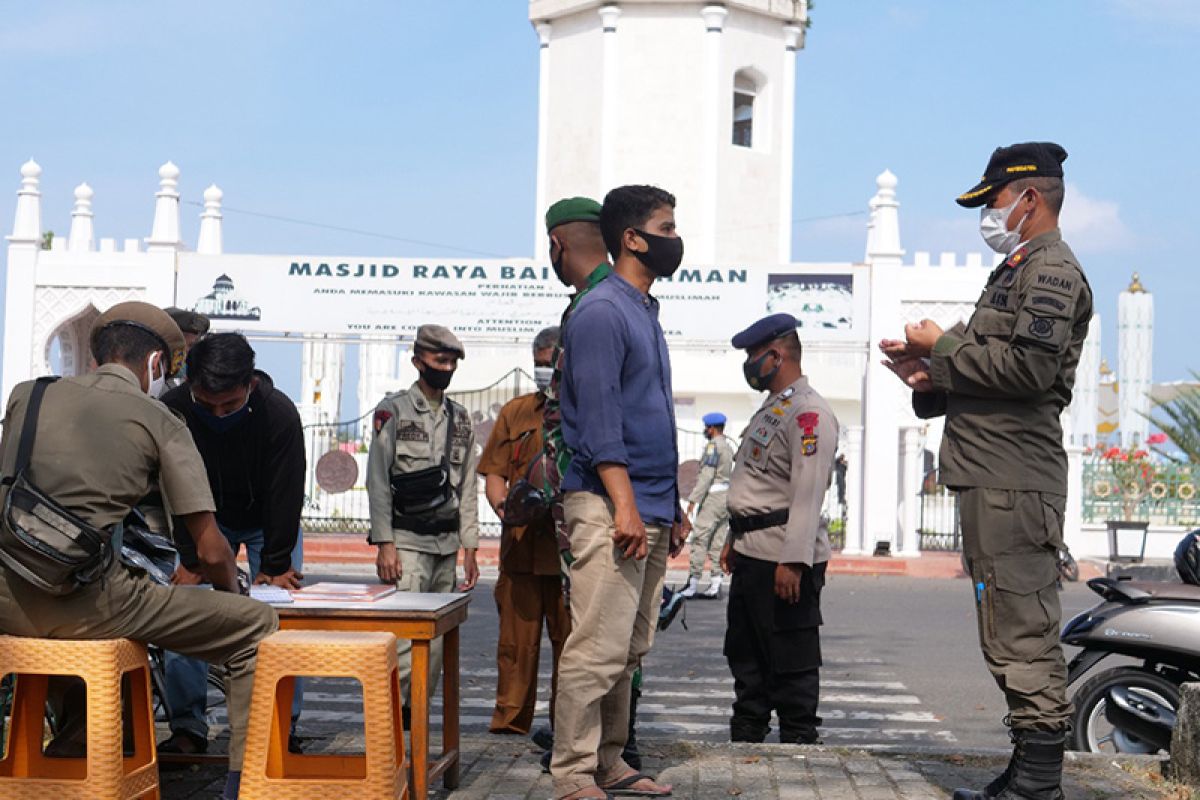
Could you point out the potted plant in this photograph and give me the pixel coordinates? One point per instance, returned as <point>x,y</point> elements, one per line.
<point>1133,476</point>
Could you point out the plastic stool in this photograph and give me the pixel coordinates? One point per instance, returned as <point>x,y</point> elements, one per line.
<point>271,772</point>
<point>105,773</point>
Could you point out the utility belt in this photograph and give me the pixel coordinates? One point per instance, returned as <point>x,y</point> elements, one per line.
<point>745,523</point>
<point>425,525</point>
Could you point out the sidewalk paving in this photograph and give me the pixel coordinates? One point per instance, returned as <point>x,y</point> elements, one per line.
<point>506,768</point>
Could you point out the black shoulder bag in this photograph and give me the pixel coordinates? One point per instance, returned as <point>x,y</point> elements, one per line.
<point>41,542</point>
<point>417,495</point>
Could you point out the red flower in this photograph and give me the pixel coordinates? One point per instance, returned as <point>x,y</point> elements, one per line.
<point>1156,438</point>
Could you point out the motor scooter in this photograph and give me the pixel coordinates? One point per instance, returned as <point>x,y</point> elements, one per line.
<point>1131,708</point>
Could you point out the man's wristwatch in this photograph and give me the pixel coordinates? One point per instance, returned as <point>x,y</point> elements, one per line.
<point>243,583</point>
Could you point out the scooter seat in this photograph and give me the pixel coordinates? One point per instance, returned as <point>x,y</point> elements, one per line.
<point>1167,591</point>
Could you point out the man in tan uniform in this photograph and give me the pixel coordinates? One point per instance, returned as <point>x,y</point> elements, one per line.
<point>102,444</point>
<point>1002,383</point>
<point>529,588</point>
<point>421,484</point>
<point>778,548</point>
<point>711,524</point>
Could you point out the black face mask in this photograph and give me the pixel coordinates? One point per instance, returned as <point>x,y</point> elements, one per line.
<point>752,369</point>
<point>437,378</point>
<point>557,264</point>
<point>664,256</point>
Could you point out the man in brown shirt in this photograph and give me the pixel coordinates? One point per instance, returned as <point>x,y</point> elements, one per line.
<point>530,585</point>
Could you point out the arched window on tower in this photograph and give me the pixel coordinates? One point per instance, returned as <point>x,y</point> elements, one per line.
<point>745,90</point>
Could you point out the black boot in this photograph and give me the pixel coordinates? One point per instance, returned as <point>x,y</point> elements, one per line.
<point>1033,773</point>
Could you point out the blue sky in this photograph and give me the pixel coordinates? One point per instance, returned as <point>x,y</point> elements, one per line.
<point>417,119</point>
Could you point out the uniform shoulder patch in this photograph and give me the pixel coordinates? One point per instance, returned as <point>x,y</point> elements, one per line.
<point>807,423</point>
<point>1041,327</point>
<point>382,415</point>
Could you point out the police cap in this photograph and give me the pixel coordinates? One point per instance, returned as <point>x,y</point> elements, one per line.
<point>437,338</point>
<point>152,320</point>
<point>572,209</point>
<point>767,329</point>
<point>188,321</point>
<point>1008,164</point>
<point>715,418</point>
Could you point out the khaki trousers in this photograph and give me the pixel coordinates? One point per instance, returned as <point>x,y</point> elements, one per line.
<point>423,572</point>
<point>614,614</point>
<point>217,627</point>
<point>523,601</point>
<point>1011,541</point>
<point>708,537</point>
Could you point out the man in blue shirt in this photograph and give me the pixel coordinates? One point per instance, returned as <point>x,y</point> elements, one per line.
<point>621,491</point>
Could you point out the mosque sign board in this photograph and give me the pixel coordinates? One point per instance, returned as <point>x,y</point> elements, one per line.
<point>498,300</point>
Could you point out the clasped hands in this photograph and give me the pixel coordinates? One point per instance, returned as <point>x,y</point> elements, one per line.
<point>908,359</point>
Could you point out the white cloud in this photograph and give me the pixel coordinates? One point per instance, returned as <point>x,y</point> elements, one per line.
<point>1092,225</point>
<point>1159,12</point>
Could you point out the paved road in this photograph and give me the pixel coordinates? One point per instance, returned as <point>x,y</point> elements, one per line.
<point>902,670</point>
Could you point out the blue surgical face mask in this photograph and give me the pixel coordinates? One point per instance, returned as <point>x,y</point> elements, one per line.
<point>221,424</point>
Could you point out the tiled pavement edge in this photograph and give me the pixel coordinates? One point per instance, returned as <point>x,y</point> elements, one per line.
<point>497,768</point>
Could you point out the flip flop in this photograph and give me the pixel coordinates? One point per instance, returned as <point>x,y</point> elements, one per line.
<point>624,787</point>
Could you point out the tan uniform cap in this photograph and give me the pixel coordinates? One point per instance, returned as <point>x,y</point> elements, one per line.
<point>439,338</point>
<point>151,319</point>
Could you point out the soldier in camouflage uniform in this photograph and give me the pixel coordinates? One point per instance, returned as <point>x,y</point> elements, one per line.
<point>580,260</point>
<point>1002,383</point>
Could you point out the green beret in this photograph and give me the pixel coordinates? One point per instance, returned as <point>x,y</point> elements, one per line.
<point>572,209</point>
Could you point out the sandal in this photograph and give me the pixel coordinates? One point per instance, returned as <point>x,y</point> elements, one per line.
<point>625,787</point>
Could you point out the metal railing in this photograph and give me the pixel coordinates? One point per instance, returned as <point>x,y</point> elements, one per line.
<point>349,511</point>
<point>938,527</point>
<point>1168,494</point>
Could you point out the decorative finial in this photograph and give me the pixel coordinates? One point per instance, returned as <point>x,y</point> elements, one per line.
<point>168,172</point>
<point>84,193</point>
<point>1135,285</point>
<point>31,169</point>
<point>213,194</point>
<point>1105,369</point>
<point>886,180</point>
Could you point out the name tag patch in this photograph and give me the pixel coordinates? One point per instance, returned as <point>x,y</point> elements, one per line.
<point>411,432</point>
<point>1048,302</point>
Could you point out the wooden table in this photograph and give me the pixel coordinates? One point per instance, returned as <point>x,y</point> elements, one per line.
<point>421,618</point>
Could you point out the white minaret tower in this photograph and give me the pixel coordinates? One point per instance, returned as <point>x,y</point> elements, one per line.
<point>376,373</point>
<point>695,97</point>
<point>321,380</point>
<point>1135,360</point>
<point>1085,401</point>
